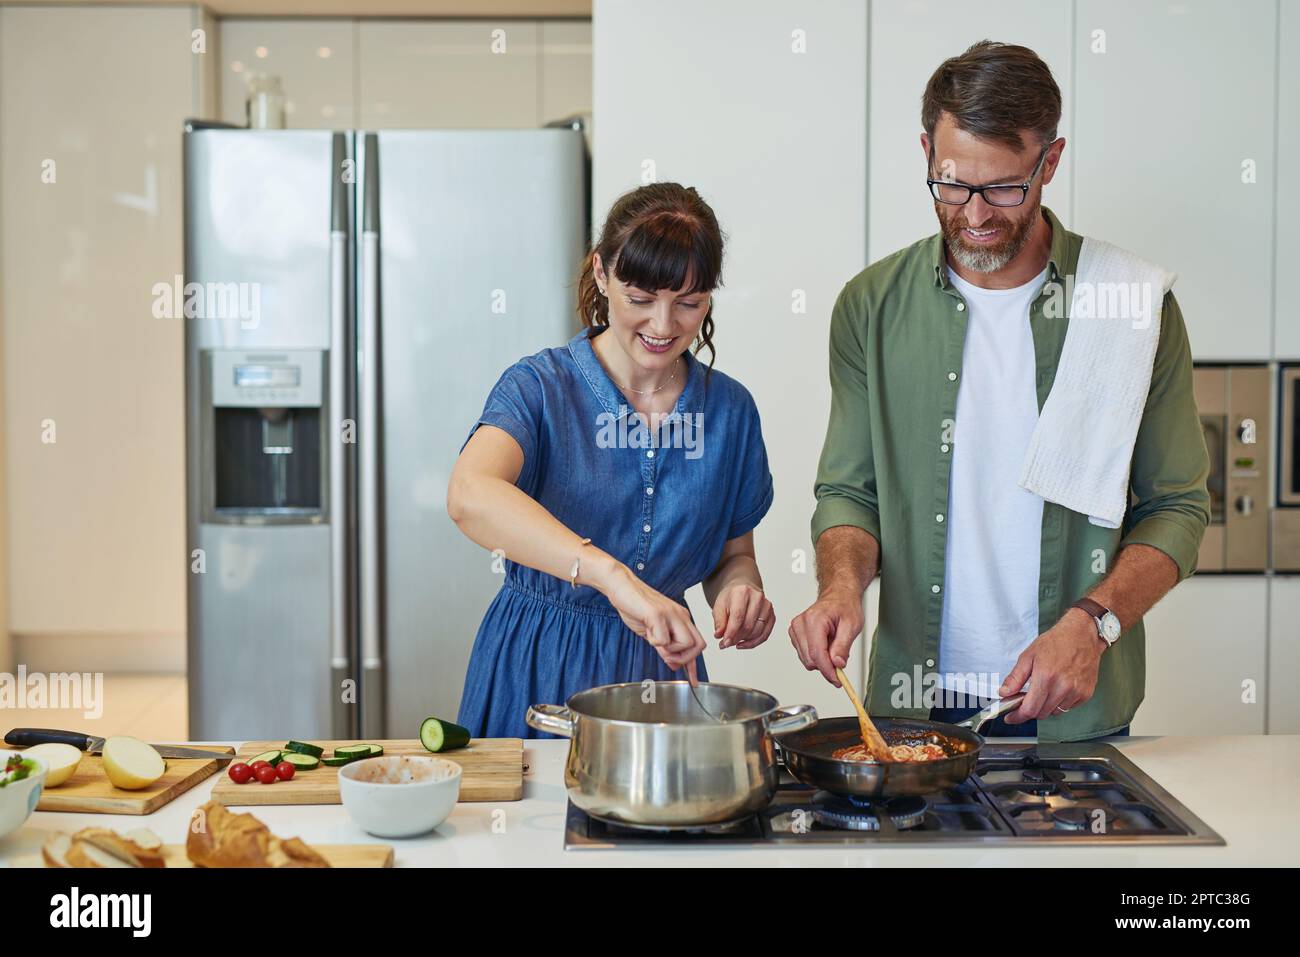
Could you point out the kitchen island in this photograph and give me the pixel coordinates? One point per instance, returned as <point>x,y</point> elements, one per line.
<point>1246,787</point>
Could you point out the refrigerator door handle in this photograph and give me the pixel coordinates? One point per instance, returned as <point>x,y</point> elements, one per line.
<point>372,688</point>
<point>342,715</point>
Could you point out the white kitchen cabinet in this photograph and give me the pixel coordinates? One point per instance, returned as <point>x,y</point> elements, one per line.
<point>92,102</point>
<point>762,107</point>
<point>1286,317</point>
<point>1174,136</point>
<point>566,68</point>
<point>313,58</point>
<point>1206,645</point>
<point>449,74</point>
<point>1284,655</point>
<point>909,41</point>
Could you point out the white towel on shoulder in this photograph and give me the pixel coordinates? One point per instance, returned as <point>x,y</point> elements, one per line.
<point>1081,451</point>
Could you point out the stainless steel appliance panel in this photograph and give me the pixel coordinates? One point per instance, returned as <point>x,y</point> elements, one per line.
<point>479,240</point>
<point>1234,407</point>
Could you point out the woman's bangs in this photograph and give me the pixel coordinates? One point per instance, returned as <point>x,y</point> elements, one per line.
<point>666,251</point>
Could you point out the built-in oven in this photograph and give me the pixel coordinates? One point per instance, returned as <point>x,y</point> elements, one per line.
<point>1286,517</point>
<point>1234,405</point>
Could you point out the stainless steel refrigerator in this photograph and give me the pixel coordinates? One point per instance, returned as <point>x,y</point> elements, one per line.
<point>349,300</point>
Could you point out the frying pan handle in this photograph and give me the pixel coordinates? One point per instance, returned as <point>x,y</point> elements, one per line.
<point>994,709</point>
<point>794,718</point>
<point>551,718</point>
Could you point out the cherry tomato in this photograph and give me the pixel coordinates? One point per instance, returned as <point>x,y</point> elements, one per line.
<point>266,774</point>
<point>240,773</point>
<point>284,770</point>
<point>259,764</point>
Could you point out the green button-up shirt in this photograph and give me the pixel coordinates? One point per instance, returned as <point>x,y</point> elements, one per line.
<point>896,339</point>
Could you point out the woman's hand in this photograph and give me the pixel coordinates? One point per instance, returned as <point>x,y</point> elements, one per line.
<point>742,616</point>
<point>656,618</point>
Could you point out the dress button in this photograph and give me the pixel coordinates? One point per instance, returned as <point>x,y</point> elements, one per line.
<point>929,662</point>
<point>649,490</point>
<point>640,566</point>
<point>645,528</point>
<point>943,448</point>
<point>650,454</point>
<point>939,518</point>
<point>935,589</point>
<point>952,377</point>
<point>961,307</point>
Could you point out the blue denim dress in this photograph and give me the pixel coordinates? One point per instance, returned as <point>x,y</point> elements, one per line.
<point>663,502</point>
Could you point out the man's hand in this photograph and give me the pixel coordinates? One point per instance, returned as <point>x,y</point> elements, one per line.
<point>1063,663</point>
<point>824,633</point>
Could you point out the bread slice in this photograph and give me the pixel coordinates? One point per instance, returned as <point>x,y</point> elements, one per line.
<point>55,850</point>
<point>124,847</point>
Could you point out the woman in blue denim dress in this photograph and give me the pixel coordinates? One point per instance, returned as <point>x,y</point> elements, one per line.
<point>615,472</point>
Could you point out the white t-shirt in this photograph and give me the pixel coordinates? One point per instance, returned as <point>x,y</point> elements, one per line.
<point>990,603</point>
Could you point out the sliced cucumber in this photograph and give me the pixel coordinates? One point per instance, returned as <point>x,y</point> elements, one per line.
<point>301,762</point>
<point>437,735</point>
<point>300,748</point>
<point>339,762</point>
<point>375,750</point>
<point>353,751</point>
<point>270,757</point>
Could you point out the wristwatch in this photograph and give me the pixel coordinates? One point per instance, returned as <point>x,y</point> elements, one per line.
<point>1108,626</point>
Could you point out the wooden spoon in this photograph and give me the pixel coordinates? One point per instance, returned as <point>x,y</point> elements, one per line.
<point>871,737</point>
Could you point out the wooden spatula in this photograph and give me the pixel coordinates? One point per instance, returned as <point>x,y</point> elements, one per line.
<point>871,737</point>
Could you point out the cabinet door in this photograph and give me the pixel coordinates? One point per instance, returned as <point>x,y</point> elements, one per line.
<point>1283,655</point>
<point>908,42</point>
<point>1286,318</point>
<point>313,58</point>
<point>1174,118</point>
<point>1206,645</point>
<point>446,74</point>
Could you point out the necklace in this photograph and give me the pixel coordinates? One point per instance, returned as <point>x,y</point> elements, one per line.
<point>627,388</point>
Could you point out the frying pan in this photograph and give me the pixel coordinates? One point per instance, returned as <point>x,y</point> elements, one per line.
<point>808,753</point>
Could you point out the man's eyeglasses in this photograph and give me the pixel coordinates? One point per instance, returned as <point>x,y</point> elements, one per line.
<point>1010,194</point>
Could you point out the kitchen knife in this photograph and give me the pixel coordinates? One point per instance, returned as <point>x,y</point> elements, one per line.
<point>25,737</point>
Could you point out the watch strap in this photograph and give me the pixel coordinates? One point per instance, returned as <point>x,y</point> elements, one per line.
<point>1095,609</point>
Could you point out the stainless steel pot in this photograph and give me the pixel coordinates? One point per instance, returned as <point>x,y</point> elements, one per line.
<point>646,755</point>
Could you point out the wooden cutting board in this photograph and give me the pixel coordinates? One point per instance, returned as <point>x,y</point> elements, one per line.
<point>492,770</point>
<point>90,792</point>
<point>338,855</point>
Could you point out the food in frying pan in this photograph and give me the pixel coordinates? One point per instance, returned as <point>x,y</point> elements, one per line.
<point>899,752</point>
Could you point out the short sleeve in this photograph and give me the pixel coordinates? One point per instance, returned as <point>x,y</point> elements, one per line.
<point>756,488</point>
<point>516,405</point>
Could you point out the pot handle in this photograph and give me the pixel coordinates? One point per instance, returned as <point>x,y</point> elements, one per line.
<point>551,718</point>
<point>794,718</point>
<point>992,710</point>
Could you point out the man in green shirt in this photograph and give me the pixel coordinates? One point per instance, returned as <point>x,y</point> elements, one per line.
<point>941,357</point>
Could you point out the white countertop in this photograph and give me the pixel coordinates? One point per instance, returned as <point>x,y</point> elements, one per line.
<point>1243,786</point>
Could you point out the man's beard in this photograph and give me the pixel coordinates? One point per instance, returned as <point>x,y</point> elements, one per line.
<point>985,258</point>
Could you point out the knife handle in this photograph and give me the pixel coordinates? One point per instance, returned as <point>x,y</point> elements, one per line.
<point>25,737</point>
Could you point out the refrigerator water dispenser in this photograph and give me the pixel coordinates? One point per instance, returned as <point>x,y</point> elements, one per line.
<point>265,422</point>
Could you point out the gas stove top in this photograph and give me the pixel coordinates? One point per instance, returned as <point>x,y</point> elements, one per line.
<point>1022,794</point>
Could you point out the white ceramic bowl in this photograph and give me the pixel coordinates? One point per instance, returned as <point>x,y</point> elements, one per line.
<point>18,799</point>
<point>399,795</point>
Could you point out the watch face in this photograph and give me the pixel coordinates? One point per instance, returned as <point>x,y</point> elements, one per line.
<point>1110,627</point>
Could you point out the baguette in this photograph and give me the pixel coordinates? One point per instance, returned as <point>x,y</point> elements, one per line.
<point>222,838</point>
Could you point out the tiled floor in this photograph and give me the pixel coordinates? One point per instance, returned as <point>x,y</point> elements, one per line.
<point>147,706</point>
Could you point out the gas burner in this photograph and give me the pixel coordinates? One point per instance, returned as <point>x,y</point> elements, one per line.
<point>1071,818</point>
<point>863,814</point>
